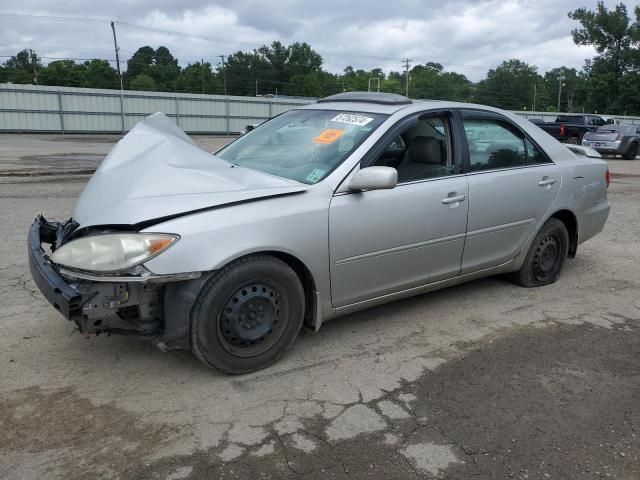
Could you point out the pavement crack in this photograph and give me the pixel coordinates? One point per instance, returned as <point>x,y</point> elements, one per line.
<point>285,452</point>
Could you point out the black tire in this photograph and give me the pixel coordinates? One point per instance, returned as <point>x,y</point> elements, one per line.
<point>574,140</point>
<point>546,256</point>
<point>247,315</point>
<point>631,152</point>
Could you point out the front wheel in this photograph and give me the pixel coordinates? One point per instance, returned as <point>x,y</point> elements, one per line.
<point>247,315</point>
<point>546,256</point>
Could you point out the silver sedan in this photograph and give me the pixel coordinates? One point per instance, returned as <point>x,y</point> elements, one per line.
<point>356,200</point>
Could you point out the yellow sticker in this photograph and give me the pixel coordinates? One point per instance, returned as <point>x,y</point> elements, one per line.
<point>327,136</point>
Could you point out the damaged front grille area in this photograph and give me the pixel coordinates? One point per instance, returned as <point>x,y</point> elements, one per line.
<point>129,308</point>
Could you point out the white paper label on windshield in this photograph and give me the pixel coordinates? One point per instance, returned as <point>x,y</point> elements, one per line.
<point>352,119</point>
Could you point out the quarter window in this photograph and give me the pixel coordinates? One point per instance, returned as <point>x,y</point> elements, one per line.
<point>492,145</point>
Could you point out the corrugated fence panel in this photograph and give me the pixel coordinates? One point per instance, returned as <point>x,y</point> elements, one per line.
<point>68,109</point>
<point>90,103</point>
<point>30,121</point>
<point>92,123</point>
<point>249,110</point>
<point>203,124</point>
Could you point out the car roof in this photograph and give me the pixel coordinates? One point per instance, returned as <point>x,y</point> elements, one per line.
<point>361,105</point>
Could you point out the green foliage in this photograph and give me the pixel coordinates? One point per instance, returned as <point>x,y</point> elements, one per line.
<point>143,82</point>
<point>510,86</point>
<point>612,76</point>
<point>100,74</point>
<point>23,67</point>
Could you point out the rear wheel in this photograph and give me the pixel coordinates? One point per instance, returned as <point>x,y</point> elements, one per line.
<point>247,315</point>
<point>631,152</point>
<point>574,140</point>
<point>546,256</point>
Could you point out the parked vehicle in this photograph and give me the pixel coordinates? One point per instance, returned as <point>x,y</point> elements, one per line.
<point>571,128</point>
<point>355,201</point>
<point>615,140</point>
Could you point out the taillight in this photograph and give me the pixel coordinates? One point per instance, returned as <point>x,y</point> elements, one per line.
<point>607,178</point>
<point>562,131</point>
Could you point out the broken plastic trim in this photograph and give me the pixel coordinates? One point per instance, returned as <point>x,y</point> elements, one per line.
<point>138,275</point>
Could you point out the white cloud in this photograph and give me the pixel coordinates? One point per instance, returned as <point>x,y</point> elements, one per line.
<point>466,36</point>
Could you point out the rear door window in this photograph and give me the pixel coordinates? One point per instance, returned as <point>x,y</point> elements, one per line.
<point>493,145</point>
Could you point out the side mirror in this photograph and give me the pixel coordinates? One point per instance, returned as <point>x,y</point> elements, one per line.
<point>374,178</point>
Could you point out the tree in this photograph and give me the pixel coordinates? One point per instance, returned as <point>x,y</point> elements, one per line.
<point>165,69</point>
<point>100,74</point>
<point>62,73</point>
<point>611,85</point>
<point>198,78</point>
<point>140,62</point>
<point>572,95</point>
<point>23,67</point>
<point>143,82</point>
<point>509,86</point>
<point>610,32</point>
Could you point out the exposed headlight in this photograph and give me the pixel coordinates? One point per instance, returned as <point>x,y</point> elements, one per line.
<point>112,252</point>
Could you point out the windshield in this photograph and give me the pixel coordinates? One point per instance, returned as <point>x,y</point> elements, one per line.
<point>302,145</point>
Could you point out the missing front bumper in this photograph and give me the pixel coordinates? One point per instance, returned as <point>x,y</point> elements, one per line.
<point>111,305</point>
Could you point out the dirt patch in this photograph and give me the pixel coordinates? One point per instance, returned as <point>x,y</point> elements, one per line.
<point>74,438</point>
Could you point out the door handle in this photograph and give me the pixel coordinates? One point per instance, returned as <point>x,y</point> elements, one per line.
<point>456,199</point>
<point>546,181</point>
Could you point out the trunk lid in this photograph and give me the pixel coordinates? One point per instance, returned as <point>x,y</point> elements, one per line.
<point>157,171</point>
<point>601,136</point>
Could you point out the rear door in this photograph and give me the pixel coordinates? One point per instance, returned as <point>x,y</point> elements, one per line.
<point>512,185</point>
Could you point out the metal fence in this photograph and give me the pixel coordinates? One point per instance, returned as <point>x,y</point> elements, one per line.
<point>35,108</point>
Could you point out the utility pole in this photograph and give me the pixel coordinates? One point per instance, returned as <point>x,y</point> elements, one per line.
<point>256,87</point>
<point>560,85</point>
<point>535,91</point>
<point>117,48</point>
<point>202,68</point>
<point>406,65</point>
<point>224,75</point>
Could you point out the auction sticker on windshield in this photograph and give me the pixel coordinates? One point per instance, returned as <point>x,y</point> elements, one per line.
<point>327,136</point>
<point>352,119</point>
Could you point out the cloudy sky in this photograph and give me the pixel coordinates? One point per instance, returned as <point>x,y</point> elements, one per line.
<point>467,36</point>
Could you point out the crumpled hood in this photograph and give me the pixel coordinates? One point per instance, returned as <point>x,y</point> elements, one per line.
<point>157,171</point>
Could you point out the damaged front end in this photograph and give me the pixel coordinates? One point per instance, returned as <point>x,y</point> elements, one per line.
<point>127,303</point>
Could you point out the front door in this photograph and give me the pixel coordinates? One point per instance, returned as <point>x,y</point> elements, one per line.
<point>386,241</point>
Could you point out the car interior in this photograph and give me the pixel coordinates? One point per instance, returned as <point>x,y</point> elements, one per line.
<point>422,151</point>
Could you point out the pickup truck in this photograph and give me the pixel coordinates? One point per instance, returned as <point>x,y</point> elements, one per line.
<point>571,128</point>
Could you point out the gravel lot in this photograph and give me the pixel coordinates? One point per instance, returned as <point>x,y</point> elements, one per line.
<point>484,380</point>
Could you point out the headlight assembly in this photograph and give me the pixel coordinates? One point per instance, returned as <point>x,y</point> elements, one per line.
<point>112,252</point>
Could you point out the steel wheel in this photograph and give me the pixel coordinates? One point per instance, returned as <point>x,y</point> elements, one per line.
<point>247,314</point>
<point>546,258</point>
<point>250,321</point>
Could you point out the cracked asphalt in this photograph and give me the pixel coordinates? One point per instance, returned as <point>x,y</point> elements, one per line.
<point>483,380</point>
